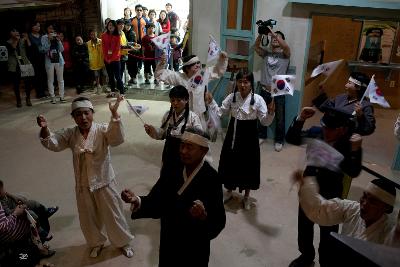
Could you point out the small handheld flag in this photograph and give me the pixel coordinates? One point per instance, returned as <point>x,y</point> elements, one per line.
<point>326,68</point>
<point>213,49</point>
<point>200,78</point>
<point>320,154</point>
<point>375,94</point>
<point>162,41</point>
<point>282,85</point>
<point>137,110</point>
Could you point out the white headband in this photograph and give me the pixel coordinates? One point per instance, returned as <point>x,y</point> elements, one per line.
<point>195,139</point>
<point>355,81</point>
<point>191,61</point>
<point>381,194</point>
<point>81,104</point>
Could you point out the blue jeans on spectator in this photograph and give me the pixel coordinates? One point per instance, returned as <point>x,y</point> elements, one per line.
<point>279,117</point>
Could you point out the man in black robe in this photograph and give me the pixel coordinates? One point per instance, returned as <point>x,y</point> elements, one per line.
<point>189,202</point>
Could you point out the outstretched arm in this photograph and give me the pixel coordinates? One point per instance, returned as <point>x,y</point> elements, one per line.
<point>53,141</point>
<point>115,131</point>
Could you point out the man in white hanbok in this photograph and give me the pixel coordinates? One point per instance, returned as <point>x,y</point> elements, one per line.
<point>367,219</point>
<point>99,204</point>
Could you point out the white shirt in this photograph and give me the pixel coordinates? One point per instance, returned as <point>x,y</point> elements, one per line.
<point>192,121</point>
<point>91,156</point>
<point>242,110</point>
<point>335,211</point>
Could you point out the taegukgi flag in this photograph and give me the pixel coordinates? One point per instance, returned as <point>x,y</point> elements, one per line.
<point>213,49</point>
<point>137,110</point>
<point>200,78</point>
<point>327,68</point>
<point>375,94</point>
<point>162,41</point>
<point>282,85</point>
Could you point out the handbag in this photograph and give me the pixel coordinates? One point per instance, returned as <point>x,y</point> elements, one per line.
<point>26,70</point>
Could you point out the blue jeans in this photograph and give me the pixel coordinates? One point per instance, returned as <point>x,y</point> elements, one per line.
<point>279,117</point>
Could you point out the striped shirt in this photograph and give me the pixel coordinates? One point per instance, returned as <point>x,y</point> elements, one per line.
<point>12,228</point>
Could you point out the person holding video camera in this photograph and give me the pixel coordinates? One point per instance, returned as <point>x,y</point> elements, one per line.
<point>276,57</point>
<point>52,48</point>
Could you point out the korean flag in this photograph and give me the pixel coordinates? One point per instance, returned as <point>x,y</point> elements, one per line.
<point>282,85</point>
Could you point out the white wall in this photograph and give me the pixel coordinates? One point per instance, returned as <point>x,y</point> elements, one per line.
<point>206,21</point>
<point>113,9</point>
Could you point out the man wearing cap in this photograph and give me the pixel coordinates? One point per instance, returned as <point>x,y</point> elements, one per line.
<point>350,102</point>
<point>191,65</point>
<point>337,131</point>
<point>366,219</point>
<point>97,197</point>
<point>189,202</point>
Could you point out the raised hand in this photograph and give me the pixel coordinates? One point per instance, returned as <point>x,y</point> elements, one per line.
<point>307,112</point>
<point>41,121</point>
<point>150,130</point>
<point>114,107</point>
<point>208,98</point>
<point>358,109</point>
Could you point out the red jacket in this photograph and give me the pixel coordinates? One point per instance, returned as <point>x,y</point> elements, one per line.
<point>166,27</point>
<point>111,47</point>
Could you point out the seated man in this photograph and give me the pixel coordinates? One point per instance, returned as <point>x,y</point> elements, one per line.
<point>37,210</point>
<point>337,131</point>
<point>17,234</point>
<point>366,220</point>
<point>189,202</point>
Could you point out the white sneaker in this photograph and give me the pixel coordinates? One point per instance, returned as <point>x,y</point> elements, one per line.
<point>95,251</point>
<point>261,140</point>
<point>127,251</point>
<point>278,147</point>
<point>228,195</point>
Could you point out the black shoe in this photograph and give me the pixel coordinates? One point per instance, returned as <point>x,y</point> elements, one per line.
<point>51,211</point>
<point>302,261</point>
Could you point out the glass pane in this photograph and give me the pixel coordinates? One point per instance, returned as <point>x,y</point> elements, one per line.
<point>232,14</point>
<point>235,64</point>
<point>247,14</point>
<point>237,47</point>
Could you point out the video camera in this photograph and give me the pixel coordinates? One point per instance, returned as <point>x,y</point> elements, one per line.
<point>263,26</point>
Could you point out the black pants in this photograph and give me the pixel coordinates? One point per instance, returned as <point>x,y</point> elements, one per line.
<point>81,74</point>
<point>132,66</point>
<point>331,186</point>
<point>16,81</point>
<point>40,78</point>
<point>114,74</point>
<point>148,65</point>
<point>279,117</point>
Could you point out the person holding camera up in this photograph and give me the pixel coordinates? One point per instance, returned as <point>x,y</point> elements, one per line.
<point>52,48</point>
<point>276,57</point>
